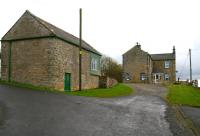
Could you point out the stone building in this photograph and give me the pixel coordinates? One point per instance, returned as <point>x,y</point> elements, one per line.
<point>141,67</point>
<point>37,52</point>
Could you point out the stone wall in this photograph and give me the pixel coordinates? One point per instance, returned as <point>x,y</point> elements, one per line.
<point>27,26</point>
<point>135,62</point>
<point>4,60</point>
<point>30,62</point>
<point>158,66</point>
<point>45,62</point>
<point>67,61</point>
<point>107,82</point>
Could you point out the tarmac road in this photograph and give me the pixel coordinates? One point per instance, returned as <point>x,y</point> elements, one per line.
<point>34,113</point>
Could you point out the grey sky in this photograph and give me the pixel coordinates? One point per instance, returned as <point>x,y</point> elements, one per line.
<point>114,26</point>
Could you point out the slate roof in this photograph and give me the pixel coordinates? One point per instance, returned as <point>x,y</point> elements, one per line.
<point>59,33</point>
<point>166,56</point>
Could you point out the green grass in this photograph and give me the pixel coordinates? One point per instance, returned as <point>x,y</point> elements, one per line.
<point>184,94</point>
<point>115,91</point>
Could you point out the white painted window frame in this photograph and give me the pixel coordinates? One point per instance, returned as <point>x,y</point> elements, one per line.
<point>142,76</point>
<point>167,64</point>
<point>94,64</point>
<point>166,77</point>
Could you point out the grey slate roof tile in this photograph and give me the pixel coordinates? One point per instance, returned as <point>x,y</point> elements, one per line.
<point>57,32</point>
<point>165,56</point>
<point>65,35</point>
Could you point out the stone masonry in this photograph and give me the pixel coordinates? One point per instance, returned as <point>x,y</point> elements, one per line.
<point>141,67</point>
<point>137,61</point>
<point>40,54</point>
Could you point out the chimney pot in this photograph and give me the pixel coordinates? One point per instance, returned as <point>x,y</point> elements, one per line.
<point>138,45</point>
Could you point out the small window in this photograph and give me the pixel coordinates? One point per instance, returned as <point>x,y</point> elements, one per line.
<point>142,76</point>
<point>167,63</point>
<point>126,76</point>
<point>166,77</point>
<point>94,64</point>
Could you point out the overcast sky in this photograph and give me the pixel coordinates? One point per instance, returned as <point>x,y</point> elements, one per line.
<point>114,26</point>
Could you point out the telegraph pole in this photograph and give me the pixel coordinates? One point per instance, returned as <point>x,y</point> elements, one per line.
<point>190,65</point>
<point>80,51</point>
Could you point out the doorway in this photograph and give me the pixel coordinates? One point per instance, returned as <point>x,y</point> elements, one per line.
<point>67,82</point>
<point>157,77</point>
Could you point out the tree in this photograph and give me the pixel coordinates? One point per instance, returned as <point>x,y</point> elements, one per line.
<point>110,68</point>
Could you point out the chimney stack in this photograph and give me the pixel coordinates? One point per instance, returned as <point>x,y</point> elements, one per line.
<point>138,45</point>
<point>174,50</point>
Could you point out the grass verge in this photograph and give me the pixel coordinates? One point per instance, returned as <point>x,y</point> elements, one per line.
<point>184,94</point>
<point>117,90</point>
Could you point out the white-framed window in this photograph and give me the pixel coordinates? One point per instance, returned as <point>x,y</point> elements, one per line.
<point>94,64</point>
<point>166,77</point>
<point>142,76</point>
<point>167,63</point>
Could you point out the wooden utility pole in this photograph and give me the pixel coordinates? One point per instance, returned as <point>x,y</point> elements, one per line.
<point>190,65</point>
<point>80,51</point>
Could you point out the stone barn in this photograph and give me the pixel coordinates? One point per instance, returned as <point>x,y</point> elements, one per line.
<point>39,53</point>
<point>141,67</point>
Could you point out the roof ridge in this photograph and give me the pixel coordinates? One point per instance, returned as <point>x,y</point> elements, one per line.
<point>129,50</point>
<point>47,25</point>
<point>40,21</point>
<point>43,22</point>
<point>164,56</point>
<point>161,53</point>
<point>55,31</point>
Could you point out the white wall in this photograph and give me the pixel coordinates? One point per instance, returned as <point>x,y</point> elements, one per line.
<point>198,83</point>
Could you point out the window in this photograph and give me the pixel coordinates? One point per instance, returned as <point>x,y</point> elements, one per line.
<point>126,76</point>
<point>142,76</point>
<point>166,77</point>
<point>94,64</point>
<point>167,64</point>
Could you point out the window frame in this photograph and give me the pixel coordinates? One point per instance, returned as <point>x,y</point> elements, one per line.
<point>166,77</point>
<point>94,64</point>
<point>167,64</point>
<point>142,76</point>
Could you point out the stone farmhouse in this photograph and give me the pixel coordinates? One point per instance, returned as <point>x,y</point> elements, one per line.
<point>141,67</point>
<point>39,53</point>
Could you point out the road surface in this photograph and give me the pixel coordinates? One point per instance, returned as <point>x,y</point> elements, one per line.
<point>35,113</point>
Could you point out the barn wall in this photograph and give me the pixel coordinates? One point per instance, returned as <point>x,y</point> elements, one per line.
<point>45,61</point>
<point>67,61</point>
<point>29,61</point>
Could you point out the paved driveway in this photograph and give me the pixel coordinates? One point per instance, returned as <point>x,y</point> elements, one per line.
<point>34,113</point>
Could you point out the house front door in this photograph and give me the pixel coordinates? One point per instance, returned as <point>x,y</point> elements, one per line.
<point>157,77</point>
<point>67,82</point>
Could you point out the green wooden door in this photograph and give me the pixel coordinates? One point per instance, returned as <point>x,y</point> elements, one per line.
<point>67,82</point>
